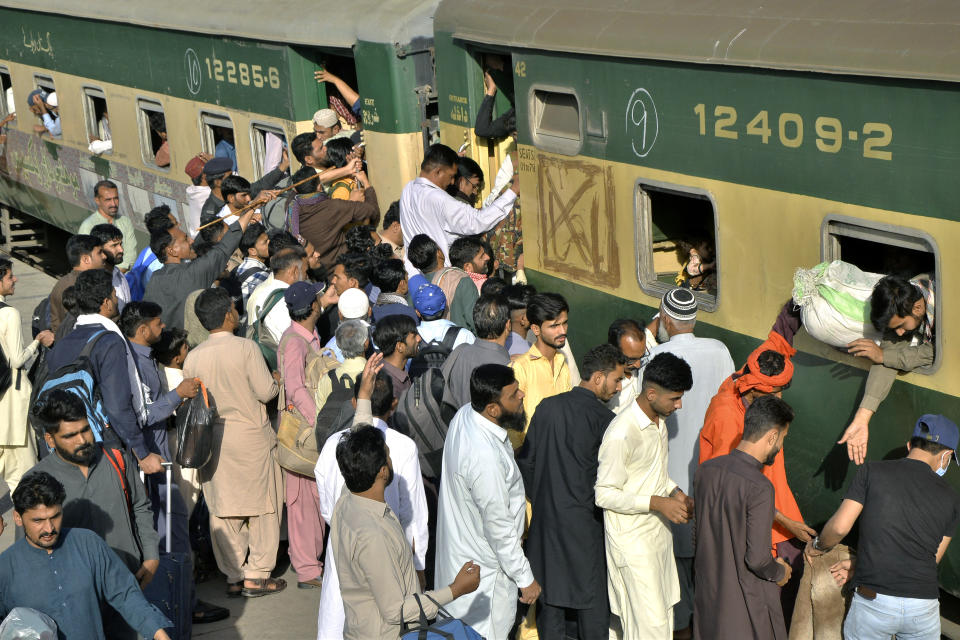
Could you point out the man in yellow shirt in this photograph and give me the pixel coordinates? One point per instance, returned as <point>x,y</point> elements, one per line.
<point>542,371</point>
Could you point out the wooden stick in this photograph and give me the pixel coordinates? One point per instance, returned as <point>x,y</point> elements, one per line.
<point>256,204</point>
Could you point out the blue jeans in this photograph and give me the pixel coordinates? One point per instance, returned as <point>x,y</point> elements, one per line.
<point>885,616</point>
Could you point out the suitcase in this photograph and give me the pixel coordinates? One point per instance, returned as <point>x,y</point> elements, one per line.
<point>169,591</point>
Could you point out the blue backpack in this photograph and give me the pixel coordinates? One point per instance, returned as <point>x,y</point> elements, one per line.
<point>445,627</point>
<point>77,378</point>
<point>139,274</point>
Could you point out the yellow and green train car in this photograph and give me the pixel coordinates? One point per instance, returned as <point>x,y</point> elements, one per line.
<point>784,134</point>
<point>245,67</point>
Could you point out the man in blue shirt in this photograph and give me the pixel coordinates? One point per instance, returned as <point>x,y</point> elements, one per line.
<point>68,574</point>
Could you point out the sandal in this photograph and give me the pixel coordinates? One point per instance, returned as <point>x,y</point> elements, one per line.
<point>265,587</point>
<point>234,589</point>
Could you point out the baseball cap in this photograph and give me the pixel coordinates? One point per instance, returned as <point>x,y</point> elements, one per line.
<point>36,92</point>
<point>429,300</point>
<point>300,295</point>
<point>939,429</point>
<point>216,166</point>
<point>194,168</point>
<point>353,304</point>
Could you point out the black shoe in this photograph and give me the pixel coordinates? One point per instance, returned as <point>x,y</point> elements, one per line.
<point>206,612</point>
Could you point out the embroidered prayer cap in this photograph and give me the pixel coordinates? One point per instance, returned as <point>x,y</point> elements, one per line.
<point>680,304</point>
<point>325,118</point>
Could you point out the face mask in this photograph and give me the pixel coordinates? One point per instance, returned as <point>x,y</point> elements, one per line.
<point>943,471</point>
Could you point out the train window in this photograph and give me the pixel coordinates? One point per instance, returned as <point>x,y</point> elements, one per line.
<point>152,124</point>
<point>46,83</point>
<point>675,232</point>
<point>267,143</point>
<point>97,120</point>
<point>883,248</point>
<point>555,120</point>
<point>7,103</point>
<point>217,136</point>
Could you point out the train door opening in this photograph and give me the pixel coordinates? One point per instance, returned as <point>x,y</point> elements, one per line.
<point>676,231</point>
<point>337,83</point>
<point>152,127</point>
<point>216,134</point>
<point>97,120</point>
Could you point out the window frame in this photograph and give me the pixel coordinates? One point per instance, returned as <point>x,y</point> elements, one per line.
<point>257,148</point>
<point>207,142</point>
<point>892,235</point>
<point>5,70</point>
<point>146,105</point>
<point>643,240</point>
<point>90,113</point>
<point>546,141</point>
<point>39,78</point>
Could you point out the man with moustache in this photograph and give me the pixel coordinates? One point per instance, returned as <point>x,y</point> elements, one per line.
<point>640,500</point>
<point>111,239</point>
<point>558,463</point>
<point>482,505</point>
<point>737,579</point>
<point>96,498</point>
<point>107,197</point>
<point>67,573</point>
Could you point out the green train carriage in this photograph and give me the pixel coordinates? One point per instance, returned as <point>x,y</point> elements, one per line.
<point>203,69</point>
<point>786,134</point>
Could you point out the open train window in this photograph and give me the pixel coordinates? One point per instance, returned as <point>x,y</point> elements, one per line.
<point>885,249</point>
<point>46,83</point>
<point>7,104</point>
<point>675,229</point>
<point>555,121</point>
<point>216,133</point>
<point>152,123</point>
<point>267,143</point>
<point>97,120</point>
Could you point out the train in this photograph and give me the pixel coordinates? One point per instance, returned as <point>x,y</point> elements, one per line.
<point>780,135</point>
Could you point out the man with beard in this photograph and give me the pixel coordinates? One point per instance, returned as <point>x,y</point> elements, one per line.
<point>737,580</point>
<point>542,371</point>
<point>96,498</point>
<point>83,253</point>
<point>107,197</point>
<point>482,504</point>
<point>558,462</point>
<point>640,501</point>
<point>69,574</point>
<point>111,239</point>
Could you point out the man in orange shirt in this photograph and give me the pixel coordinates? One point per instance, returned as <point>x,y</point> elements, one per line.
<point>768,371</point>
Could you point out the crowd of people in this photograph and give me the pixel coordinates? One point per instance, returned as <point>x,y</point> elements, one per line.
<point>444,435</point>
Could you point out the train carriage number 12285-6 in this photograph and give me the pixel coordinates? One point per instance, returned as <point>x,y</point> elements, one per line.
<point>790,131</point>
<point>242,73</point>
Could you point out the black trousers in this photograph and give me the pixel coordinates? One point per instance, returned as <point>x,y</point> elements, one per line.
<point>589,624</point>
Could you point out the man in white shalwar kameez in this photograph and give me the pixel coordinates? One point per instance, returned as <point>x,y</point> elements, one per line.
<point>640,500</point>
<point>483,506</point>
<point>405,495</point>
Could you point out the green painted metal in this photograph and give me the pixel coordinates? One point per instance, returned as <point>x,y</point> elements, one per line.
<point>386,88</point>
<point>460,81</point>
<point>234,73</point>
<point>824,393</point>
<point>646,113</point>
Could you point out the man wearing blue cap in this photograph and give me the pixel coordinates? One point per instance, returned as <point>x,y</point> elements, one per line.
<point>430,303</point>
<point>46,106</point>
<point>908,514</point>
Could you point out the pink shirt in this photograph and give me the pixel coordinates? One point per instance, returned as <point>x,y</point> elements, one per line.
<point>293,362</point>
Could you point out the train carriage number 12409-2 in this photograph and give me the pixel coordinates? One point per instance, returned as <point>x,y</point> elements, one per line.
<point>877,136</point>
<point>242,73</point>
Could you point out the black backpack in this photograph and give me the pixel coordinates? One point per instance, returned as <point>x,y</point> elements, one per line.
<point>337,412</point>
<point>433,354</point>
<point>41,317</point>
<point>423,417</point>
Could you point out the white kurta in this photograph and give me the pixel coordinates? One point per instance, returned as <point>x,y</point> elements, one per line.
<point>642,573</point>
<point>17,449</point>
<point>481,517</point>
<point>406,498</point>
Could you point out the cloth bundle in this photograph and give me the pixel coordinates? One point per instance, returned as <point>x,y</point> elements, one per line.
<point>834,301</point>
<point>821,605</point>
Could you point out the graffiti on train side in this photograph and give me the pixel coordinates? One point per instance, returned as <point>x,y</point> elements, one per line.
<point>577,220</point>
<point>68,175</point>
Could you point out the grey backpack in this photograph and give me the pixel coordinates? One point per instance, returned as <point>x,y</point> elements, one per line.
<point>422,416</point>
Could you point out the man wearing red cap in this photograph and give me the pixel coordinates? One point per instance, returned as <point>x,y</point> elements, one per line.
<point>768,371</point>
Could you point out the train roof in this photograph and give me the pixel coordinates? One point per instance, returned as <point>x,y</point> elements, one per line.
<point>894,38</point>
<point>334,24</point>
